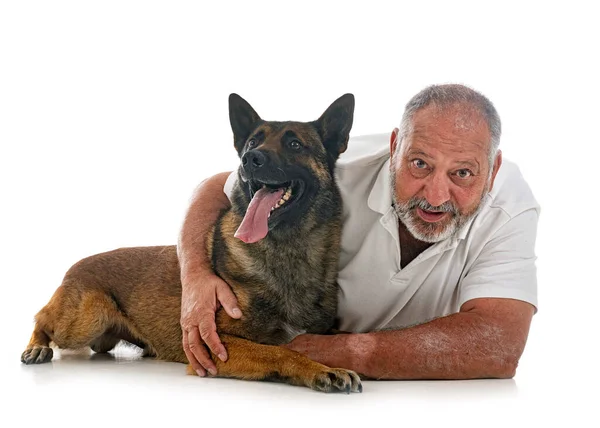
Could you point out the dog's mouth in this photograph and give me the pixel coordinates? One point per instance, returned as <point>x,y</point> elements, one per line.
<point>269,202</point>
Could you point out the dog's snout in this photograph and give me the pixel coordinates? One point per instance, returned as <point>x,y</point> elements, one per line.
<point>254,160</point>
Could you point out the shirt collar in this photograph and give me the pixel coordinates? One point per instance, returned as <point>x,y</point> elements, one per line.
<point>380,198</point>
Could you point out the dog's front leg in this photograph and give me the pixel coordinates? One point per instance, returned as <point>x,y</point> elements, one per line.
<point>252,361</point>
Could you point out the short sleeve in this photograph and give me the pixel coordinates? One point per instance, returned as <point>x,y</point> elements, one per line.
<point>228,188</point>
<point>506,268</point>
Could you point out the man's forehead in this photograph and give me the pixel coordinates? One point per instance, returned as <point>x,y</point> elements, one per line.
<point>460,126</point>
<point>458,116</point>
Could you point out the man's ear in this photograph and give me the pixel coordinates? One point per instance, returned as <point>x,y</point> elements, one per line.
<point>394,141</point>
<point>335,124</point>
<point>243,120</point>
<point>497,165</point>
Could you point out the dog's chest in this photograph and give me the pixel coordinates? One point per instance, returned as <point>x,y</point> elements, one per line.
<point>287,309</point>
<point>289,289</point>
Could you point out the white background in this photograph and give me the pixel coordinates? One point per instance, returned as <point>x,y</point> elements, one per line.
<point>112,112</point>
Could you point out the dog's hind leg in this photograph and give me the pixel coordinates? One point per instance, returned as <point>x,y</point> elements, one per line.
<point>76,317</point>
<point>38,350</point>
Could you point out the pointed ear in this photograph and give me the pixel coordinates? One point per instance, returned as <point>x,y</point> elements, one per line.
<point>243,120</point>
<point>334,125</point>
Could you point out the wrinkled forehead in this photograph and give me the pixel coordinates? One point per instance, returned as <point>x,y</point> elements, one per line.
<point>461,116</point>
<point>458,124</point>
<point>275,133</point>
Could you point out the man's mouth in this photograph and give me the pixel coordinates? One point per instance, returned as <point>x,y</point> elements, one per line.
<point>431,216</point>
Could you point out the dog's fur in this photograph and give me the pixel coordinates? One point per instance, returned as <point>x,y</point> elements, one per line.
<point>285,283</point>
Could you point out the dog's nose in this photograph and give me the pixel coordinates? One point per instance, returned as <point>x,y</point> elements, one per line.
<point>253,160</point>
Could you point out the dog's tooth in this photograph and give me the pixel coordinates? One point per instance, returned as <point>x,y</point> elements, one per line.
<point>282,201</point>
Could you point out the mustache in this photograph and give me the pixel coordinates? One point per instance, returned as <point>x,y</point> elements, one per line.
<point>446,207</point>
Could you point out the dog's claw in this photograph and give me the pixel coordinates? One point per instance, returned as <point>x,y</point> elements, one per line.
<point>337,380</point>
<point>37,355</point>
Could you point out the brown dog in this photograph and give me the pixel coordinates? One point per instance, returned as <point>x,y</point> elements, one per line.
<point>277,247</point>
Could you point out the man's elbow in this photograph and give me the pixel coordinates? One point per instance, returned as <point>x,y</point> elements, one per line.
<point>503,365</point>
<point>508,368</point>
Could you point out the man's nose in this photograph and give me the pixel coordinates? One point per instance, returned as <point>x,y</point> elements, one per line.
<point>437,189</point>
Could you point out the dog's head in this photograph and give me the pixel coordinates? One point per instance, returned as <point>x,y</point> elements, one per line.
<point>286,167</point>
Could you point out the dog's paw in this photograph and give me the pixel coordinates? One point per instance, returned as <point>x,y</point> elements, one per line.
<point>37,355</point>
<point>334,380</point>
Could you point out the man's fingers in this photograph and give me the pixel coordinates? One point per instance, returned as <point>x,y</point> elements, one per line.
<point>191,358</point>
<point>208,333</point>
<point>228,300</point>
<point>199,351</point>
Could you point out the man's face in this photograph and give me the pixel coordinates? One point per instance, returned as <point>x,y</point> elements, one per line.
<point>441,173</point>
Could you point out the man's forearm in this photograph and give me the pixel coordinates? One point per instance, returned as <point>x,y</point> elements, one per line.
<point>458,346</point>
<point>207,204</point>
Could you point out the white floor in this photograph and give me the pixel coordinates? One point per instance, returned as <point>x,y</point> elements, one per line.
<point>124,389</point>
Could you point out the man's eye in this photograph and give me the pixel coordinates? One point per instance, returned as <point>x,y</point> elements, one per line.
<point>252,143</point>
<point>464,173</point>
<point>419,164</point>
<point>294,144</point>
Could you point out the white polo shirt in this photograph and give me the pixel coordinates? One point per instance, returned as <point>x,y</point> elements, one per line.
<point>492,256</point>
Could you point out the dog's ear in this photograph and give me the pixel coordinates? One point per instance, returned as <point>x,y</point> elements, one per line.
<point>334,125</point>
<point>243,120</point>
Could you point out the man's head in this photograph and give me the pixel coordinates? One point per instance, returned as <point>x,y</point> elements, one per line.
<point>444,160</point>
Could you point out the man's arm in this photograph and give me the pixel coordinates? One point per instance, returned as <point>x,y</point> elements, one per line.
<point>207,203</point>
<point>484,340</point>
<point>202,290</point>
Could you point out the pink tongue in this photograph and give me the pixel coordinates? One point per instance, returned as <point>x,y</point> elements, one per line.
<point>255,224</point>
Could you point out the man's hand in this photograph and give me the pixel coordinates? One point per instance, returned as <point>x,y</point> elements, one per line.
<point>202,290</point>
<point>200,300</point>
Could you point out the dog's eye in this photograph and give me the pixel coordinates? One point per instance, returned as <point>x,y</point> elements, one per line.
<point>295,144</point>
<point>252,143</point>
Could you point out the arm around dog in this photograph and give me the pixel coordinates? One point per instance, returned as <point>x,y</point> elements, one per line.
<point>484,340</point>
<point>202,290</point>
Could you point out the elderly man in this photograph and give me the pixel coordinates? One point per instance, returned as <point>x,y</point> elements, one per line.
<point>437,268</point>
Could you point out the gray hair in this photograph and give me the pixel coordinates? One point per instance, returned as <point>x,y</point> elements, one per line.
<point>448,95</point>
